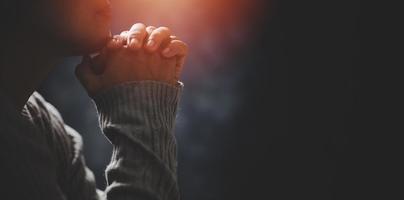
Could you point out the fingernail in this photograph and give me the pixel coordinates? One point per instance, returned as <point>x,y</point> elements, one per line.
<point>150,43</point>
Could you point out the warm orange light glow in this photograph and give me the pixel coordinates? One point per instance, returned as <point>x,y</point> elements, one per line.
<point>212,28</point>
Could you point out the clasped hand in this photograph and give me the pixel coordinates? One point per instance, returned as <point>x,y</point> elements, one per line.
<point>141,53</point>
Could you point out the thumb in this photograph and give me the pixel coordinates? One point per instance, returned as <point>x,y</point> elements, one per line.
<point>85,73</point>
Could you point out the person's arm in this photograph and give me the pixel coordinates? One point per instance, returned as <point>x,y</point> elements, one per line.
<point>138,118</point>
<point>136,88</point>
<point>27,169</point>
<point>79,179</point>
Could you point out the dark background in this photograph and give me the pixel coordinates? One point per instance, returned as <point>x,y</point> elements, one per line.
<point>272,105</point>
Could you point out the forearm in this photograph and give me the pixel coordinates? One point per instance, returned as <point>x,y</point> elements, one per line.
<point>138,118</point>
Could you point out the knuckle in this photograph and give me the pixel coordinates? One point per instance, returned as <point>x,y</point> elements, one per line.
<point>163,30</point>
<point>181,44</point>
<point>160,33</point>
<point>136,34</point>
<point>138,25</point>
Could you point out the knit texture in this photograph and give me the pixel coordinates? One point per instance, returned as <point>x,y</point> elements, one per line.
<point>138,119</point>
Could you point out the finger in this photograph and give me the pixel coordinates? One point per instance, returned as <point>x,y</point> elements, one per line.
<point>150,29</point>
<point>175,48</point>
<point>179,49</point>
<point>136,36</point>
<point>167,42</point>
<point>115,43</point>
<point>157,37</point>
<point>124,33</point>
<point>84,73</point>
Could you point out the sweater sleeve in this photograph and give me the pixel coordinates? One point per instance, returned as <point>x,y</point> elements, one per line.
<point>27,169</point>
<point>138,119</point>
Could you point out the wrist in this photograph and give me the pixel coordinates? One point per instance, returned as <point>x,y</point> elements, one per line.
<point>130,100</point>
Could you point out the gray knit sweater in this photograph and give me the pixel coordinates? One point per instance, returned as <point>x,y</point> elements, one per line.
<point>41,156</point>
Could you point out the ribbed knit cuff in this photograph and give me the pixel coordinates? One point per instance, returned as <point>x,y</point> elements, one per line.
<point>151,103</point>
<point>138,118</point>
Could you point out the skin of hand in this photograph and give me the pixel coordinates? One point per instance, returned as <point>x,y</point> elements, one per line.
<point>141,53</point>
